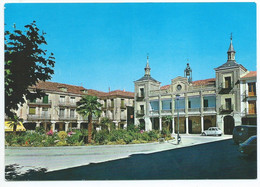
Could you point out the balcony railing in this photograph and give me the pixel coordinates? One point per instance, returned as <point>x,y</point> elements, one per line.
<point>66,118</point>
<point>194,110</point>
<point>139,98</point>
<point>226,109</point>
<point>154,112</point>
<point>66,103</point>
<point>209,109</point>
<point>166,111</point>
<point>225,90</point>
<point>180,110</point>
<point>140,113</point>
<point>39,102</point>
<point>39,117</point>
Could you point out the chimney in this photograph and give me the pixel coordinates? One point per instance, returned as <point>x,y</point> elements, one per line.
<point>108,89</point>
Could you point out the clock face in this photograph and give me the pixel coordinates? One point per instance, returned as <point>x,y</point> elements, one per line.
<point>179,87</point>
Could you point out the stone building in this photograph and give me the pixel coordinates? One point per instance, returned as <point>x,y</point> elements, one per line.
<point>57,110</point>
<point>200,104</point>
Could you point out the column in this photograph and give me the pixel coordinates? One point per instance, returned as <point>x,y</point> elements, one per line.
<point>173,107</point>
<point>187,125</point>
<point>202,123</point>
<point>173,128</point>
<point>53,126</point>
<point>201,103</point>
<point>45,126</point>
<point>160,123</point>
<point>38,124</point>
<point>78,125</point>
<point>66,126</point>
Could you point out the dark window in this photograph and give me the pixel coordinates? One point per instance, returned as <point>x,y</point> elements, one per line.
<point>227,82</point>
<point>228,103</point>
<point>45,99</point>
<point>189,103</point>
<point>142,92</point>
<point>206,103</point>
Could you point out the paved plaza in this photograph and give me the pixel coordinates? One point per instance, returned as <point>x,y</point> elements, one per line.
<point>58,158</point>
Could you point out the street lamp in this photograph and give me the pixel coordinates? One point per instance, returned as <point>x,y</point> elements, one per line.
<point>178,134</point>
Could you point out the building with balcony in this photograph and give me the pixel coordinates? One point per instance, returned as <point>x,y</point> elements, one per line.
<point>57,109</point>
<point>225,101</point>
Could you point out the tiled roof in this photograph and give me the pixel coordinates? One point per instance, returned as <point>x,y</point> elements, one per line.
<point>195,83</point>
<point>145,78</point>
<point>54,86</point>
<point>165,87</point>
<point>120,93</point>
<point>58,87</point>
<point>250,74</point>
<point>203,82</point>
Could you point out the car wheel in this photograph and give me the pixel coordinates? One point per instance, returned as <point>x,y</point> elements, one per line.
<point>203,134</point>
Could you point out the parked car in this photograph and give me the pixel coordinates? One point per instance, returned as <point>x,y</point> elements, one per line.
<point>242,132</point>
<point>249,146</point>
<point>212,131</point>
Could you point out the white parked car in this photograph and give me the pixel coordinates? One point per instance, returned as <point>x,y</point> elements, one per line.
<point>212,131</point>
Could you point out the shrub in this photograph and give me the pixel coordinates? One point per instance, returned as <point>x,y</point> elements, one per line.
<point>121,141</point>
<point>135,142</point>
<point>141,126</point>
<point>73,139</point>
<point>111,143</point>
<point>62,135</point>
<point>101,136</point>
<point>153,135</point>
<point>62,143</point>
<point>40,130</point>
<point>132,127</point>
<point>145,136</point>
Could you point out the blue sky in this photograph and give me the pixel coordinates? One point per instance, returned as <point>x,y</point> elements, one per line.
<point>105,45</point>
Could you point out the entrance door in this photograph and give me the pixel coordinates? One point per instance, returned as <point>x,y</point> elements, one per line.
<point>228,124</point>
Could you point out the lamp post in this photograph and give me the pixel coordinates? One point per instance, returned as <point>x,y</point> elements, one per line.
<point>178,133</point>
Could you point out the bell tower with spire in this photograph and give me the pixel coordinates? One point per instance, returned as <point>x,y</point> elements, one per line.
<point>147,68</point>
<point>143,86</point>
<point>231,52</point>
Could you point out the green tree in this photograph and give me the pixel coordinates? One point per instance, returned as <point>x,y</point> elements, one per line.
<point>107,123</point>
<point>88,106</point>
<point>26,63</point>
<point>167,120</point>
<point>13,124</point>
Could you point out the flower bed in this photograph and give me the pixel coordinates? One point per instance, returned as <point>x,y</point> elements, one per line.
<point>39,138</point>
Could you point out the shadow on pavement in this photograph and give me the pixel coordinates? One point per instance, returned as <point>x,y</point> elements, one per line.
<point>217,160</point>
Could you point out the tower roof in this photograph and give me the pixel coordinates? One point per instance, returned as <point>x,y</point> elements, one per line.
<point>231,48</point>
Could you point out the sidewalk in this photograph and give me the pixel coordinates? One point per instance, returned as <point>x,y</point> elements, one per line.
<point>57,158</point>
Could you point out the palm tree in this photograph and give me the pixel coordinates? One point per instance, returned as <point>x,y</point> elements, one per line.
<point>15,121</point>
<point>107,123</point>
<point>88,106</point>
<point>167,120</point>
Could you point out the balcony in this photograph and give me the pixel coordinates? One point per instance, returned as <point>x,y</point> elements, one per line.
<point>226,109</point>
<point>209,109</point>
<point>140,98</point>
<point>166,111</point>
<point>39,102</point>
<point>180,110</point>
<point>68,118</point>
<point>154,112</point>
<point>225,90</point>
<point>34,117</point>
<point>66,103</point>
<point>140,113</point>
<point>194,110</point>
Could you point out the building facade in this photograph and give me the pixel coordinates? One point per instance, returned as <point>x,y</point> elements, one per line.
<point>225,101</point>
<point>57,109</point>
